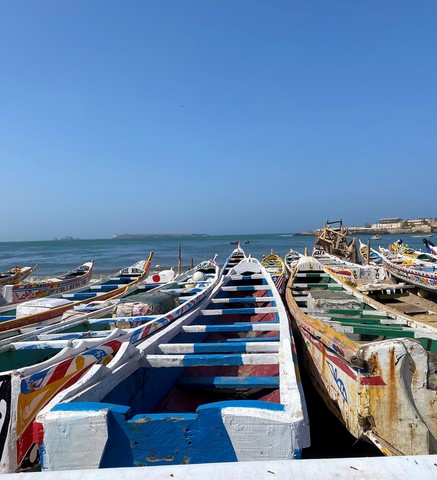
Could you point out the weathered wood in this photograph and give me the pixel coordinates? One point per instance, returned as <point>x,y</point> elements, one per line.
<point>375,374</point>
<point>158,414</point>
<point>422,467</point>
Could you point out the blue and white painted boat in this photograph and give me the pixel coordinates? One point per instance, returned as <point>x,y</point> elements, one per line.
<point>290,260</point>
<point>47,360</point>
<point>50,309</point>
<point>220,384</point>
<point>234,259</point>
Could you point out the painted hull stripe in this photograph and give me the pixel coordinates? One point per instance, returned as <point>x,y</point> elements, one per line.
<point>373,380</point>
<point>240,311</point>
<point>210,360</point>
<point>229,347</point>
<point>237,327</point>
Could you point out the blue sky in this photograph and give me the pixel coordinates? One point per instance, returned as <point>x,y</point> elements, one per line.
<point>214,116</point>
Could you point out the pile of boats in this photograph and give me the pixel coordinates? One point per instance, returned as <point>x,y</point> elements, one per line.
<point>202,367</point>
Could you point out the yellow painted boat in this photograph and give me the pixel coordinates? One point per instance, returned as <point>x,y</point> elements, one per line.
<point>275,266</point>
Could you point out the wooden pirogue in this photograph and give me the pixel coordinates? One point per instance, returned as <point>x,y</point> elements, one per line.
<point>218,385</point>
<point>12,294</point>
<point>275,266</point>
<point>421,274</point>
<point>375,368</point>
<point>16,275</point>
<point>50,309</point>
<point>46,360</point>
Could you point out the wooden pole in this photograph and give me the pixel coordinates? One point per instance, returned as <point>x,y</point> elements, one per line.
<point>368,252</point>
<point>179,259</point>
<point>192,263</point>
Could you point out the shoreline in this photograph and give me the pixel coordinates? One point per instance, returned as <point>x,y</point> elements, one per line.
<point>368,231</point>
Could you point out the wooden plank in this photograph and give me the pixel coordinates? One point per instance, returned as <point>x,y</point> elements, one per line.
<point>407,308</point>
<point>242,300</point>
<point>220,347</point>
<point>245,288</point>
<point>255,276</point>
<point>210,360</point>
<point>231,382</point>
<point>234,327</point>
<point>240,311</point>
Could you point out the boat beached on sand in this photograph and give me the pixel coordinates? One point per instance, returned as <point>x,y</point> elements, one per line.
<point>50,309</point>
<point>351,272</point>
<point>375,368</point>
<point>290,260</point>
<point>136,308</point>
<point>220,384</point>
<point>16,275</point>
<point>22,292</point>
<point>368,255</point>
<point>275,266</point>
<point>234,258</point>
<point>419,273</point>
<point>41,363</point>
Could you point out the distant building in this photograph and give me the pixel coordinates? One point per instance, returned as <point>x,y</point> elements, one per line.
<point>416,224</point>
<point>419,222</point>
<point>387,224</point>
<point>390,220</point>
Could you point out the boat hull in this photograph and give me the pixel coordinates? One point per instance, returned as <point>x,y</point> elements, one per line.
<point>383,390</point>
<point>221,384</point>
<point>25,391</point>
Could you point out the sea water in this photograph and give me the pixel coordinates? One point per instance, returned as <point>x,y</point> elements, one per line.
<point>110,255</point>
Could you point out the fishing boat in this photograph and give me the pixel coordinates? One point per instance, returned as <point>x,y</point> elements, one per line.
<point>275,266</point>
<point>218,385</point>
<point>400,248</point>
<point>16,275</point>
<point>40,364</point>
<point>23,292</point>
<point>136,305</point>
<point>374,367</point>
<point>290,260</point>
<point>368,255</point>
<point>429,246</point>
<point>419,273</point>
<point>376,237</point>
<point>50,309</point>
<point>351,272</point>
<point>233,259</point>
